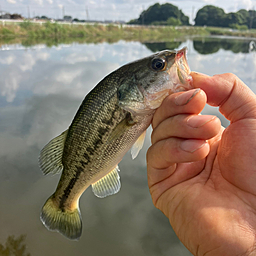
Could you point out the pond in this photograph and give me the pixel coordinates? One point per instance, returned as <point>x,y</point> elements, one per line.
<point>40,91</point>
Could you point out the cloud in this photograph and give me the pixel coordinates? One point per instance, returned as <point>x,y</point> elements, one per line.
<point>67,76</point>
<point>8,60</point>
<point>114,9</point>
<point>10,88</point>
<point>11,1</point>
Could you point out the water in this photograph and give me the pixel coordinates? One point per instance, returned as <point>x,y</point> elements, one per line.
<point>40,91</point>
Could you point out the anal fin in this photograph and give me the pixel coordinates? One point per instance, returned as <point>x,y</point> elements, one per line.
<point>108,185</point>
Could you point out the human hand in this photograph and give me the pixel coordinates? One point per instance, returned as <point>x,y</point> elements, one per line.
<point>202,176</point>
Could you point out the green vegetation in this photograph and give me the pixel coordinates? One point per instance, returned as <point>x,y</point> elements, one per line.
<point>14,247</point>
<point>28,33</point>
<point>160,15</point>
<point>94,33</point>
<point>211,15</point>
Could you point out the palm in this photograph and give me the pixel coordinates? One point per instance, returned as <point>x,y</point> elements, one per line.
<point>211,203</point>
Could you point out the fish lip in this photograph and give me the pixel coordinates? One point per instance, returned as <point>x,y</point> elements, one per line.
<point>183,69</point>
<point>182,52</point>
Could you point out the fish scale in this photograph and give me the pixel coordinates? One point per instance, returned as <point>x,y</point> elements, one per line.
<point>112,118</point>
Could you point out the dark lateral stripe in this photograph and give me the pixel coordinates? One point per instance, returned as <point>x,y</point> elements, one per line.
<point>68,189</point>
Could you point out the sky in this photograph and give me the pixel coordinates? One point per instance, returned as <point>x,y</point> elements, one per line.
<point>111,9</point>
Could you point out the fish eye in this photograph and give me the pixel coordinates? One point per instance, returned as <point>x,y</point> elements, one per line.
<point>158,64</point>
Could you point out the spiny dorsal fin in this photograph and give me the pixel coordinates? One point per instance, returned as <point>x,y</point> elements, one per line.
<point>137,146</point>
<point>50,159</point>
<point>108,185</point>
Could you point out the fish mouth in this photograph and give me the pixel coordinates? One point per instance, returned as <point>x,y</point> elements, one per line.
<point>183,70</point>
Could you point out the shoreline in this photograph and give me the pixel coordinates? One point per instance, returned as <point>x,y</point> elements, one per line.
<point>28,33</point>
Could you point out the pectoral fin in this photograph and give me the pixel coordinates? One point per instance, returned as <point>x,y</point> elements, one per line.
<point>137,146</point>
<point>121,128</point>
<point>50,159</point>
<point>108,185</point>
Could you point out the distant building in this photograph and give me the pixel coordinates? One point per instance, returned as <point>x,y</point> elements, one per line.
<point>67,18</point>
<point>15,16</point>
<point>114,21</point>
<point>5,16</point>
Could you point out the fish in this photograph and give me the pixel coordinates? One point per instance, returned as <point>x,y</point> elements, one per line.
<point>112,118</point>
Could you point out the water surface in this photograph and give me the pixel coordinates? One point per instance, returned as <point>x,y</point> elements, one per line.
<point>40,91</point>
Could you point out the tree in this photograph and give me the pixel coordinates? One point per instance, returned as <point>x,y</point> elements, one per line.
<point>245,17</point>
<point>16,16</point>
<point>252,23</point>
<point>159,14</point>
<point>232,19</point>
<point>173,21</point>
<point>210,15</point>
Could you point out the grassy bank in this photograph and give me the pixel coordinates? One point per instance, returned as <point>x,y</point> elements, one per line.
<point>55,33</point>
<point>34,31</point>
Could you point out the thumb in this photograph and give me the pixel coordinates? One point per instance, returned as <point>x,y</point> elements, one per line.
<point>235,99</point>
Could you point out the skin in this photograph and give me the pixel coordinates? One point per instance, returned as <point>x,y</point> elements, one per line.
<point>203,178</point>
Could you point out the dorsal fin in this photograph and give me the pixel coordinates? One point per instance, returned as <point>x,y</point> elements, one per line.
<point>50,159</point>
<point>108,185</point>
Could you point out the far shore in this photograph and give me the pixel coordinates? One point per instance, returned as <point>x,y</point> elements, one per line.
<point>17,32</point>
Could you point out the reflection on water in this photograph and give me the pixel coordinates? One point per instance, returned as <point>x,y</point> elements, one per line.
<point>40,91</point>
<point>14,247</point>
<point>50,42</point>
<point>212,45</point>
<point>154,47</point>
<point>209,45</point>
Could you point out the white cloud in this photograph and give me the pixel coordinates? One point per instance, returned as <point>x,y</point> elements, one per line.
<point>76,57</point>
<point>11,1</point>
<point>10,88</point>
<point>42,56</point>
<point>8,60</point>
<point>67,76</point>
<point>40,2</point>
<point>29,60</point>
<point>27,63</point>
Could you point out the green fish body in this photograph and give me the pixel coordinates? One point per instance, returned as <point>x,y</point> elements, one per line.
<point>112,118</point>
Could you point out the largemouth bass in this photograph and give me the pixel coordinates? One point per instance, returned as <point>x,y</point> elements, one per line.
<point>112,118</point>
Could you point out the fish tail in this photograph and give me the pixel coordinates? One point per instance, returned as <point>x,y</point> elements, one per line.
<point>65,221</point>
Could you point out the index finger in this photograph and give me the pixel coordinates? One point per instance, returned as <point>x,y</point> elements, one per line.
<point>180,103</point>
<point>235,99</point>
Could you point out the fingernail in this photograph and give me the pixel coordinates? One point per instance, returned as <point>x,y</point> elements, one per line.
<point>192,145</point>
<point>198,121</point>
<point>185,97</point>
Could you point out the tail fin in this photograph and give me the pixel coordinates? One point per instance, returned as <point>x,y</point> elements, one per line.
<point>67,222</point>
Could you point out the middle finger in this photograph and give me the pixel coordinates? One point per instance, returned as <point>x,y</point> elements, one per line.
<point>186,126</point>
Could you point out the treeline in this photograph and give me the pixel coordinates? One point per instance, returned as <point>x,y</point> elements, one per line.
<point>165,14</point>
<point>209,15</point>
<point>214,16</point>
